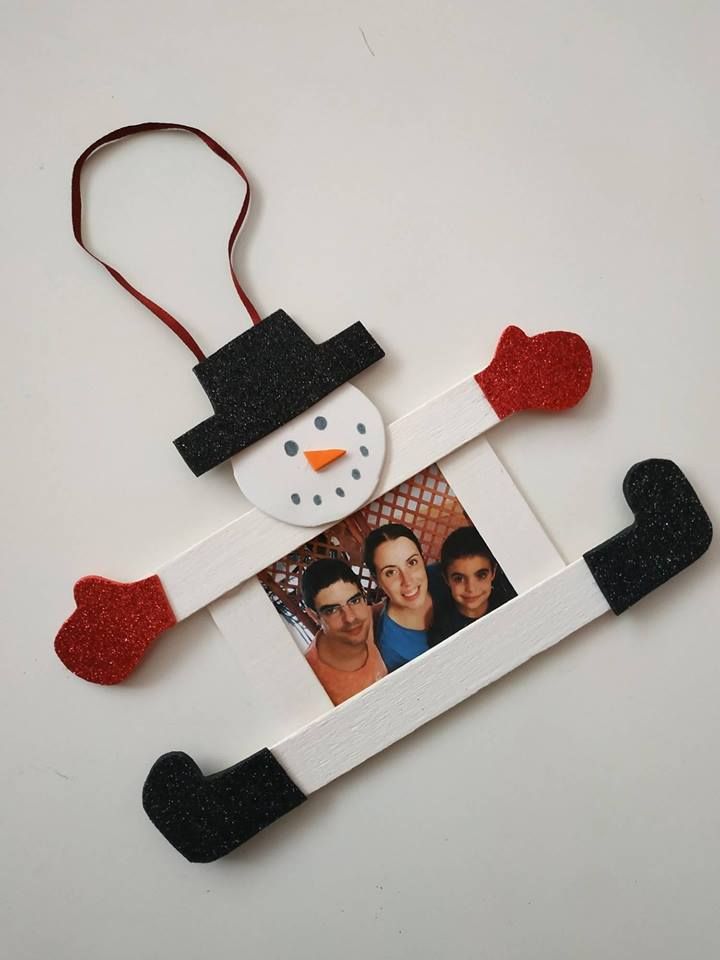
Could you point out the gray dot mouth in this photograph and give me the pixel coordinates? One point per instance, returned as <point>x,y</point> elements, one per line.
<point>317,499</point>
<point>295,498</point>
<point>361,428</point>
<point>356,474</point>
<point>340,492</point>
<point>364,451</point>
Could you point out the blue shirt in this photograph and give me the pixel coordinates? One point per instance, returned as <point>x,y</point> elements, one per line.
<point>398,644</point>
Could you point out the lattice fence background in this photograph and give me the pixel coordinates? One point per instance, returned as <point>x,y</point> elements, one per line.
<point>426,504</point>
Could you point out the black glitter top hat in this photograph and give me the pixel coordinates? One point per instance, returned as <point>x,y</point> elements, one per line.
<point>264,378</point>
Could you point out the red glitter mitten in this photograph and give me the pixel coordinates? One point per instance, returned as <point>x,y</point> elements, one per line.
<point>550,371</point>
<point>114,624</point>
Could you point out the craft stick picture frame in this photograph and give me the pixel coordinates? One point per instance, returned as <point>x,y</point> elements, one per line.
<point>277,671</point>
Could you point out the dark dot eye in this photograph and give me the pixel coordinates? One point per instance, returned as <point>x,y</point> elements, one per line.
<point>317,499</point>
<point>291,448</point>
<point>295,498</point>
<point>340,492</point>
<point>361,428</point>
<point>356,474</point>
<point>364,451</point>
<point>320,423</point>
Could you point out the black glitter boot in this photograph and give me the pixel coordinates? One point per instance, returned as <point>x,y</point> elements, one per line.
<point>205,818</point>
<point>671,530</point>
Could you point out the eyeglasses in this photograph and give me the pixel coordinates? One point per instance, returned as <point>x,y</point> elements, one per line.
<point>333,609</point>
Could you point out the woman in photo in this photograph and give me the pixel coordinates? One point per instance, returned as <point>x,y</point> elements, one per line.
<point>404,627</point>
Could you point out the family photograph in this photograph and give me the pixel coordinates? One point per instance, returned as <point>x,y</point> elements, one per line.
<point>384,586</point>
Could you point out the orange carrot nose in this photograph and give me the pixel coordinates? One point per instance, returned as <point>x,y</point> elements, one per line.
<point>318,459</point>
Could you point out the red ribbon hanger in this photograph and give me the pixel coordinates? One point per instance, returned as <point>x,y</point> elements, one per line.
<point>162,314</point>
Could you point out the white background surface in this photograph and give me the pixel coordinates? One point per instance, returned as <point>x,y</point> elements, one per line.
<point>552,165</point>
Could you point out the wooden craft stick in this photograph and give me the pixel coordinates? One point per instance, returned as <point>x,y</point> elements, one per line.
<point>207,817</point>
<point>114,623</point>
<point>441,678</point>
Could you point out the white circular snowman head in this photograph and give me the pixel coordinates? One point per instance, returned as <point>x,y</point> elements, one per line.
<point>319,467</point>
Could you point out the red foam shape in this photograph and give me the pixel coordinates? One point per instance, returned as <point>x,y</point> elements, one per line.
<point>550,371</point>
<point>114,624</point>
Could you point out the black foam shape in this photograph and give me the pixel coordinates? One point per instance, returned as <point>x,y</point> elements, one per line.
<point>671,530</point>
<point>264,378</point>
<point>205,818</point>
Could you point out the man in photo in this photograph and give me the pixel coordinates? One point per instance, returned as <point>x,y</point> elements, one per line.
<point>343,653</point>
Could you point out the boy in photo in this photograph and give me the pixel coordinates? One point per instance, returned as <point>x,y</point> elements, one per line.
<point>343,654</point>
<point>470,572</point>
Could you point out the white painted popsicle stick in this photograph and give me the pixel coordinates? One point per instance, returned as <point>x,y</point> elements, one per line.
<point>252,542</point>
<point>205,817</point>
<point>441,678</point>
<point>274,670</point>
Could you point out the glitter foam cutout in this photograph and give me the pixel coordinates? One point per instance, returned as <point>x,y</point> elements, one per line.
<point>108,634</point>
<point>550,371</point>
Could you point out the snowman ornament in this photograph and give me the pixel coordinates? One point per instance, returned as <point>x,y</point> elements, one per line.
<point>308,448</point>
<point>305,445</point>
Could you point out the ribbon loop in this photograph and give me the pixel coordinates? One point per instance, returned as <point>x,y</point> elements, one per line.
<point>162,314</point>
